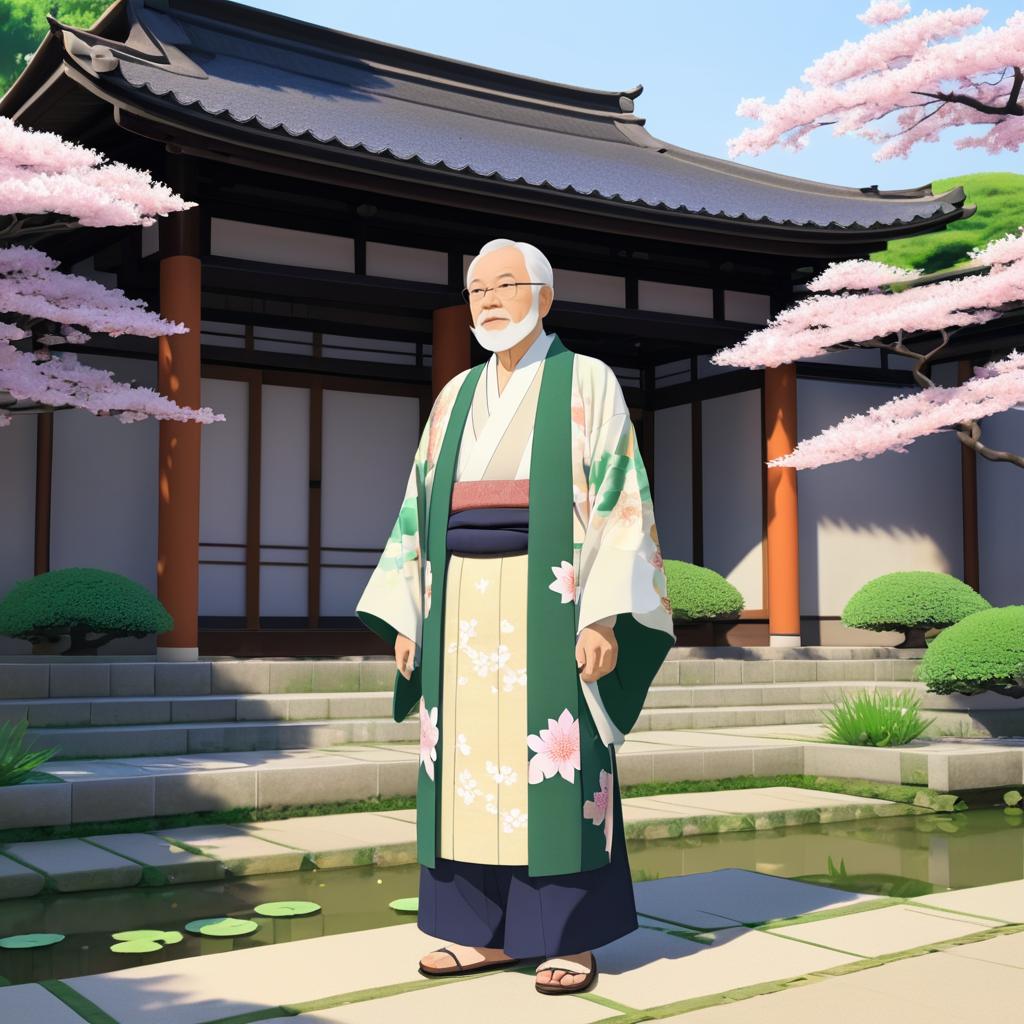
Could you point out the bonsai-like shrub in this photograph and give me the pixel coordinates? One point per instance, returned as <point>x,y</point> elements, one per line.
<point>699,594</point>
<point>912,602</point>
<point>80,601</point>
<point>984,651</point>
<point>875,719</point>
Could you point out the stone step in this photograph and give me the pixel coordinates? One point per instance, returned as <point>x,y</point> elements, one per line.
<point>207,737</point>
<point>65,679</point>
<point>54,712</point>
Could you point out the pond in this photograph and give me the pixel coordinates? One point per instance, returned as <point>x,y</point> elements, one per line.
<point>905,856</point>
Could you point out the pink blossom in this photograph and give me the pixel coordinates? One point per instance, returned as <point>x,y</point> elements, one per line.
<point>892,74</point>
<point>656,560</point>
<point>564,582</point>
<point>429,733</point>
<point>557,749</point>
<point>883,11</point>
<point>995,387</point>
<point>599,810</point>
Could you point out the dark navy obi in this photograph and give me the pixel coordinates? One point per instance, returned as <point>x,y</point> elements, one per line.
<point>489,517</point>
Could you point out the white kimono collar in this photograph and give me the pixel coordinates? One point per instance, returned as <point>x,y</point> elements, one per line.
<point>501,409</point>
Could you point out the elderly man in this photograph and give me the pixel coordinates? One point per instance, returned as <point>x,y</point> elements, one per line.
<point>523,590</point>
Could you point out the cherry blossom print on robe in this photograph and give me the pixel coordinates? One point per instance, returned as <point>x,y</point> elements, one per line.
<point>428,738</point>
<point>556,749</point>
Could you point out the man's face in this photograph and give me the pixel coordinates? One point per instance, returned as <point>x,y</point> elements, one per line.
<point>496,310</point>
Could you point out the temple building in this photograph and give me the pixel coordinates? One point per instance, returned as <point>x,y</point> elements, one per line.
<point>343,185</point>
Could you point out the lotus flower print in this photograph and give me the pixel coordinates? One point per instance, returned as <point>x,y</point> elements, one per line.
<point>556,749</point>
<point>428,738</point>
<point>564,582</point>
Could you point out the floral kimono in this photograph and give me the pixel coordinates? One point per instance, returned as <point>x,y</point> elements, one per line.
<point>511,771</point>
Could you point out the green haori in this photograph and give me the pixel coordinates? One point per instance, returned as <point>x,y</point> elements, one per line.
<point>561,840</point>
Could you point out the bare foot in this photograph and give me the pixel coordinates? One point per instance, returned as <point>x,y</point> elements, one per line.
<point>468,955</point>
<point>547,976</point>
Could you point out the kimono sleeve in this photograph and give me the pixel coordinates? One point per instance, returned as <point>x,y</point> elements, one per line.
<point>621,571</point>
<point>397,596</point>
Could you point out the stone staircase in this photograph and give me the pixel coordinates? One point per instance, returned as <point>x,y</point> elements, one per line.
<point>122,708</point>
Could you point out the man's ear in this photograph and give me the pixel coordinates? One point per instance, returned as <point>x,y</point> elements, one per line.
<point>547,297</point>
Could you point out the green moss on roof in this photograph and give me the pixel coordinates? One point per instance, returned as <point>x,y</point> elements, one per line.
<point>999,197</point>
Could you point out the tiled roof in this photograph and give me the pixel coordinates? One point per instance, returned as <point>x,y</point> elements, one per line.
<point>292,79</point>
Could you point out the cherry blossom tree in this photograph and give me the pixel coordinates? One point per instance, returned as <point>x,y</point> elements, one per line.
<point>49,186</point>
<point>898,72</point>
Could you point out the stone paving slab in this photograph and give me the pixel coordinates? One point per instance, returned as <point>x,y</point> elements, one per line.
<point>739,895</point>
<point>73,864</point>
<point>168,864</point>
<point>342,840</point>
<point>33,1004</point>
<point>504,997</point>
<point>955,988</point>
<point>16,880</point>
<point>1003,901</point>
<point>886,930</point>
<point>701,738</point>
<point>203,988</point>
<point>648,968</point>
<point>239,852</point>
<point>818,1001</point>
<point>1007,950</point>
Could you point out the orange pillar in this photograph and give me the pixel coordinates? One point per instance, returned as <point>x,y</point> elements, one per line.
<point>178,377</point>
<point>450,353</point>
<point>783,540</point>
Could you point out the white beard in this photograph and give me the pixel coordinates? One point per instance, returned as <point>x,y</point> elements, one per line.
<point>498,340</point>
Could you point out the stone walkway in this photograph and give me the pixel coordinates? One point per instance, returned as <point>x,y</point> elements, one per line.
<point>723,947</point>
<point>202,852</point>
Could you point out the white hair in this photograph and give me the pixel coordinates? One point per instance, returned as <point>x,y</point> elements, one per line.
<point>537,265</point>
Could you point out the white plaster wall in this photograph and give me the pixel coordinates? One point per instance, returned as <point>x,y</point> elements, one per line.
<point>105,478</point>
<point>222,498</point>
<point>686,299</point>
<point>859,520</point>
<point>265,243</point>
<point>17,514</point>
<point>406,263</point>
<point>363,481</point>
<point>1001,511</point>
<point>284,500</point>
<point>733,499</point>
<point>673,481</point>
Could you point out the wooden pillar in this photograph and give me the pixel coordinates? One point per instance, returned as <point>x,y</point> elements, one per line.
<point>178,377</point>
<point>783,540</point>
<point>450,352</point>
<point>969,484</point>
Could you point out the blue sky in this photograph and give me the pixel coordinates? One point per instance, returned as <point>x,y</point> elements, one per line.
<point>696,60</point>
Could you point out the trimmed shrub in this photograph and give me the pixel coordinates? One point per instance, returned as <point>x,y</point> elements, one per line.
<point>982,651</point>
<point>875,719</point>
<point>699,594</point>
<point>912,602</point>
<point>80,601</point>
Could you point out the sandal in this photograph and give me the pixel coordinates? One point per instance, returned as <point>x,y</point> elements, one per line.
<point>484,965</point>
<point>558,964</point>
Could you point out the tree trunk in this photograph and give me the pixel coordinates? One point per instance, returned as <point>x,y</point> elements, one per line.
<point>913,639</point>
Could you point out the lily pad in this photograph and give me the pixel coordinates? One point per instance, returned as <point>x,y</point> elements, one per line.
<point>136,946</point>
<point>148,935</point>
<point>287,908</point>
<point>31,940</point>
<point>409,904</point>
<point>221,927</point>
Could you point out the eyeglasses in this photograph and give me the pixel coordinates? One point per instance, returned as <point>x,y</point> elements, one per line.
<point>505,291</point>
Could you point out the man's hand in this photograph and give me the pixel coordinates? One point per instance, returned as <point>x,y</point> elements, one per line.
<point>597,650</point>
<point>405,654</point>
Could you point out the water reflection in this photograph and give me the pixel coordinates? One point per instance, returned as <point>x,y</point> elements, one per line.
<point>905,856</point>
